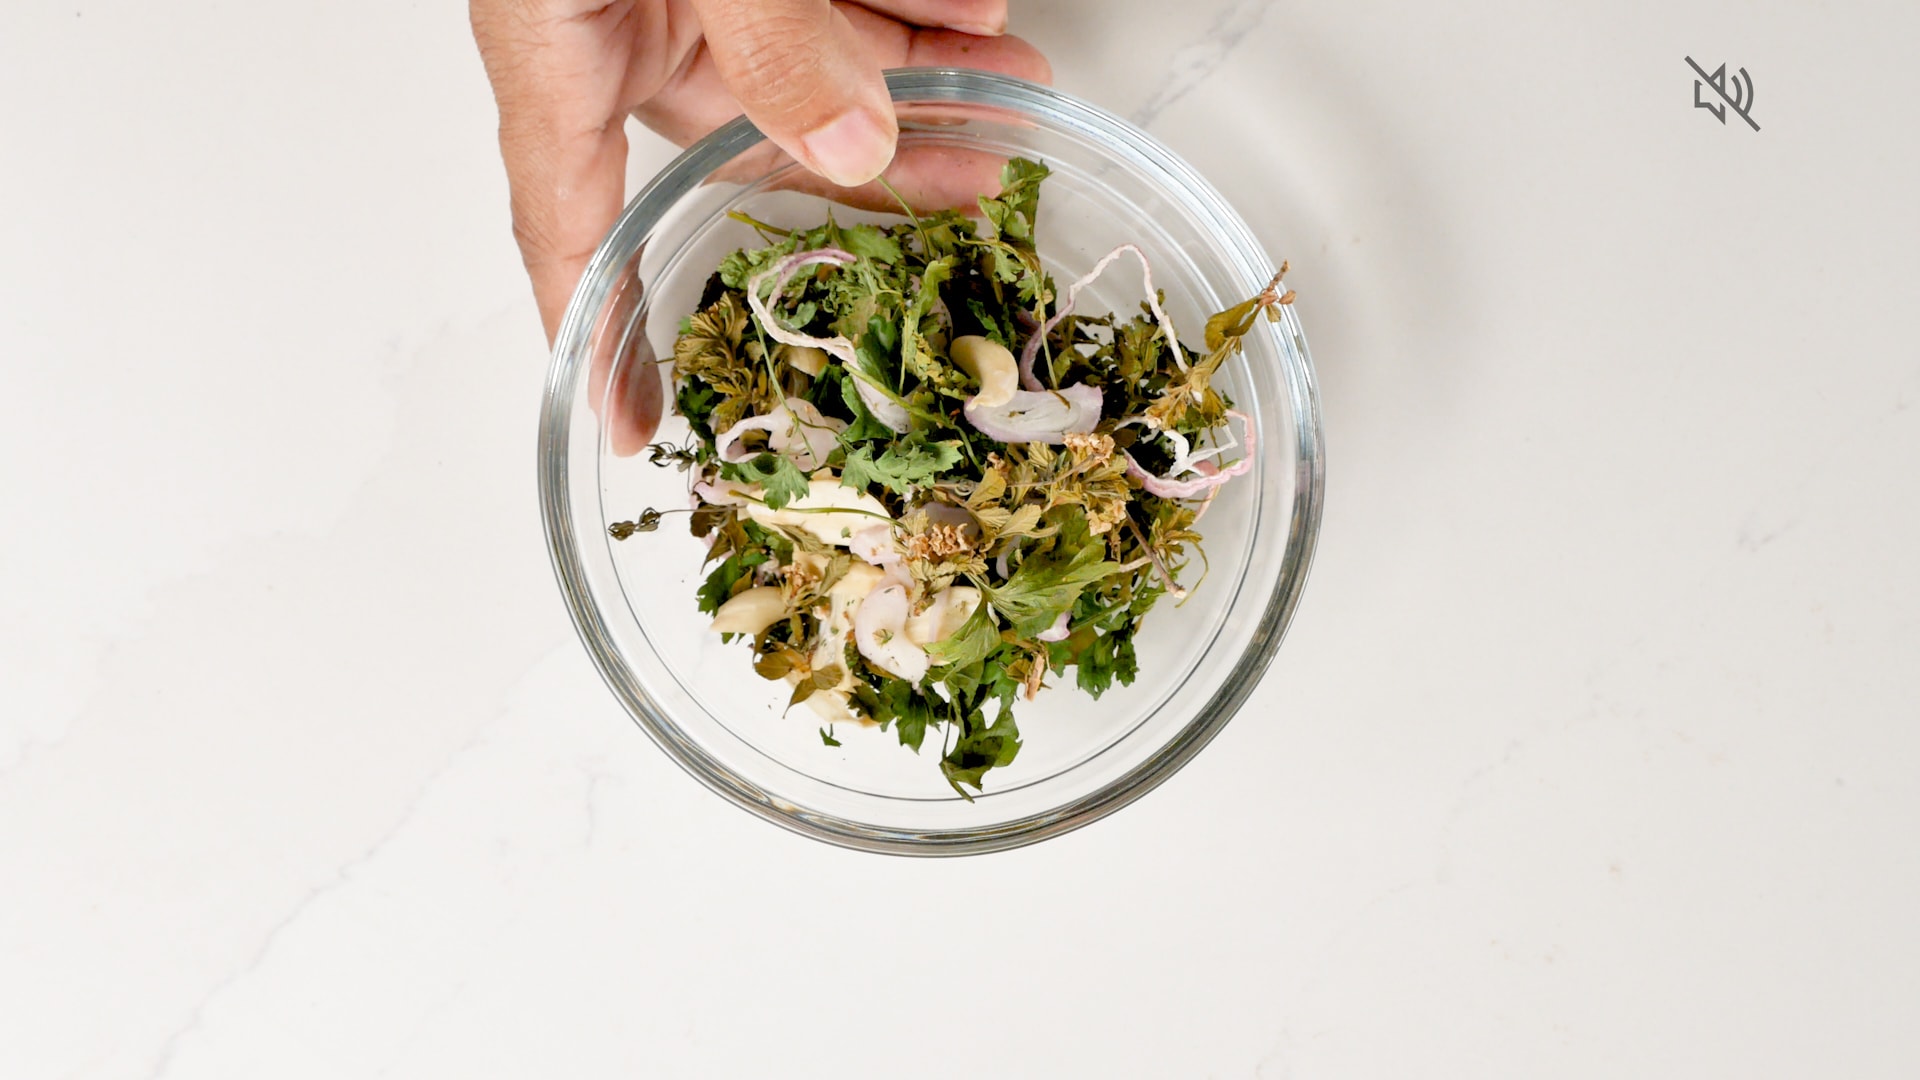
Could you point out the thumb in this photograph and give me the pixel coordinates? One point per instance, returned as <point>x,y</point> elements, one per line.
<point>804,76</point>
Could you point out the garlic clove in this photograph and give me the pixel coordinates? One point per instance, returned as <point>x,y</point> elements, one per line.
<point>990,363</point>
<point>750,612</point>
<point>943,618</point>
<point>879,631</point>
<point>829,510</point>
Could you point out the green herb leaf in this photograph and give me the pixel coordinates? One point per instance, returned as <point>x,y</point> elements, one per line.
<point>976,639</point>
<point>904,466</point>
<point>780,480</point>
<point>979,749</point>
<point>1012,212</point>
<point>1046,585</point>
<point>864,427</point>
<point>718,588</point>
<point>869,242</point>
<point>936,275</point>
<point>826,736</point>
<point>1106,658</point>
<point>773,666</point>
<point>899,704</point>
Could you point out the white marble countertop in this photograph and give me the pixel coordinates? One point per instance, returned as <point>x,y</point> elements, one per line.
<point>1592,751</point>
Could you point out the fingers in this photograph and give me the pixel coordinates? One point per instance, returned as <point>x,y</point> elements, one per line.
<point>696,100</point>
<point>929,176</point>
<point>622,355</point>
<point>566,194</point>
<point>986,18</point>
<point>940,48</point>
<point>560,136</point>
<point>806,78</point>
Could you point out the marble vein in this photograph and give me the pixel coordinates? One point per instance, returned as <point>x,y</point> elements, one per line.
<point>1194,64</point>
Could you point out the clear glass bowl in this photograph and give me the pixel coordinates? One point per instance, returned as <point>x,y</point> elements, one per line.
<point>633,601</point>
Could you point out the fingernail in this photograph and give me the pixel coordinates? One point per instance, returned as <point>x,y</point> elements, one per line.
<point>979,29</point>
<point>850,149</point>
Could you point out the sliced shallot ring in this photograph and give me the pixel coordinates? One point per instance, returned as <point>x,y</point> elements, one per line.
<point>726,492</point>
<point>1057,632</point>
<point>884,408</point>
<point>1185,458</point>
<point>732,442</point>
<point>1169,488</point>
<point>1044,416</point>
<point>780,271</point>
<point>795,429</point>
<point>1032,348</point>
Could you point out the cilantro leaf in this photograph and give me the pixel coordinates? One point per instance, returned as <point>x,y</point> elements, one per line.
<point>937,274</point>
<point>875,350</point>
<point>826,736</point>
<point>869,242</point>
<point>1012,212</point>
<point>780,480</point>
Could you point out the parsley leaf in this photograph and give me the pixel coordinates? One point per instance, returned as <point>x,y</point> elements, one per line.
<point>904,466</point>
<point>718,588</point>
<point>898,703</point>
<point>1046,585</point>
<point>1106,658</point>
<point>980,748</point>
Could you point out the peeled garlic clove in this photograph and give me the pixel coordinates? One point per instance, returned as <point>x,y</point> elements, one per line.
<point>828,510</point>
<point>943,618</point>
<point>880,633</point>
<point>832,706</point>
<point>989,362</point>
<point>750,612</point>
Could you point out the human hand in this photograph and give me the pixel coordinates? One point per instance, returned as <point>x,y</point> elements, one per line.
<point>567,74</point>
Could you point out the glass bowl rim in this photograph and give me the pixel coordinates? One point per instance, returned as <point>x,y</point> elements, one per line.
<point>648,207</point>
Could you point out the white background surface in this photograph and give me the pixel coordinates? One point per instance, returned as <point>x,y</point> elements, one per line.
<point>1592,750</point>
